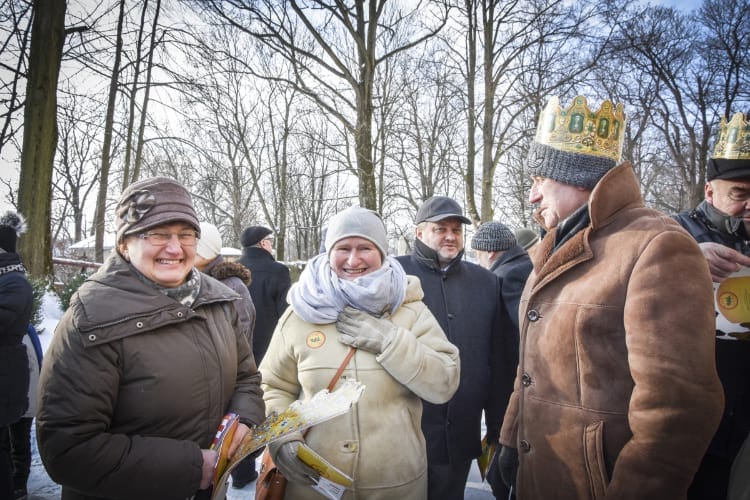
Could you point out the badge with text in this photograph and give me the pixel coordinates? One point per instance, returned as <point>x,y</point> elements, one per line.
<point>316,339</point>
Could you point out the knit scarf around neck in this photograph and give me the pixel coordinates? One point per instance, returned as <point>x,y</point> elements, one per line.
<point>320,295</point>
<point>185,293</point>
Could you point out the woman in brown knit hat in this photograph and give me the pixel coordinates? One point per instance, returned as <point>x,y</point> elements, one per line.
<point>145,363</point>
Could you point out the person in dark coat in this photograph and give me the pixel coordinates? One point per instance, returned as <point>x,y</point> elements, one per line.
<point>466,300</point>
<point>271,282</point>
<point>721,226</point>
<point>498,251</point>
<point>145,363</point>
<point>268,289</point>
<point>16,303</point>
<point>233,274</point>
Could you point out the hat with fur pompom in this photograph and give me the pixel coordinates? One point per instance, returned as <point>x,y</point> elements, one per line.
<point>12,224</point>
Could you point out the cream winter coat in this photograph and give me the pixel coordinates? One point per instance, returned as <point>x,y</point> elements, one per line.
<point>379,442</point>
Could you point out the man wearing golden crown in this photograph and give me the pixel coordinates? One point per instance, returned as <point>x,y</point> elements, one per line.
<point>721,226</point>
<point>616,394</point>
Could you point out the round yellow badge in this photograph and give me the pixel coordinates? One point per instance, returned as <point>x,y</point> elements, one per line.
<point>316,339</point>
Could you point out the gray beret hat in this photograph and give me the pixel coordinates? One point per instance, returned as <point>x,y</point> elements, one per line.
<point>493,237</point>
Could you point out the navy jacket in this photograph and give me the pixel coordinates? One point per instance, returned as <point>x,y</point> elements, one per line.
<point>467,303</point>
<point>268,289</point>
<point>16,300</point>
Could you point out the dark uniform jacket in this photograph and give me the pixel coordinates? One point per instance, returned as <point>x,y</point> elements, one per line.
<point>707,224</point>
<point>465,299</point>
<point>270,284</point>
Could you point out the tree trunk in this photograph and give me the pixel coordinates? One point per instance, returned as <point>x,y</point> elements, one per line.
<point>40,134</point>
<point>101,201</point>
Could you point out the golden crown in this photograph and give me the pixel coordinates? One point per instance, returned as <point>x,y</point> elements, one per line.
<point>578,130</point>
<point>733,142</point>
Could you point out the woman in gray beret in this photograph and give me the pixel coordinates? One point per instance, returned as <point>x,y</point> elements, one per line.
<point>145,362</point>
<point>356,296</point>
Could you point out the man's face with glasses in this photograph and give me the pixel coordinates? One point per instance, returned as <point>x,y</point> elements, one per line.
<point>164,254</point>
<point>267,244</point>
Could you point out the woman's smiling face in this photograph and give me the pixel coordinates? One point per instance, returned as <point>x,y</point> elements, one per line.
<point>354,257</point>
<point>167,265</point>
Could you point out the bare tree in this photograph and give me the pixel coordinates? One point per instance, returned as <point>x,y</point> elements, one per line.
<point>101,200</point>
<point>333,48</point>
<point>40,134</point>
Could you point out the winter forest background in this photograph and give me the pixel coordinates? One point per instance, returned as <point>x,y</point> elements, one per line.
<point>281,112</point>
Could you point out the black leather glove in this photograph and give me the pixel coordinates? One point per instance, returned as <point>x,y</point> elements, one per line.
<point>363,331</point>
<point>284,455</point>
<point>508,464</point>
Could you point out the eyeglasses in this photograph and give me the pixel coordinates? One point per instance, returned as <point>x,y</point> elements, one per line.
<point>270,240</point>
<point>160,239</point>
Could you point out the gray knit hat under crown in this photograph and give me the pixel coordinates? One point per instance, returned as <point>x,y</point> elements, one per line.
<point>493,237</point>
<point>576,169</point>
<point>357,222</point>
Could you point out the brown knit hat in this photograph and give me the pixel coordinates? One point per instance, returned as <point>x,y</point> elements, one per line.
<point>152,202</point>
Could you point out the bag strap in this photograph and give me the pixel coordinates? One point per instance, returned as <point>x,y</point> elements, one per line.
<point>338,373</point>
<point>336,377</point>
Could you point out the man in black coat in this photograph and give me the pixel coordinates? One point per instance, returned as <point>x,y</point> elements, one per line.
<point>16,302</point>
<point>467,303</point>
<point>721,226</point>
<point>270,283</point>
<point>498,250</point>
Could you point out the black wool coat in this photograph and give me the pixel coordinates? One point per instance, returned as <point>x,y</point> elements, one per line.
<point>268,289</point>
<point>513,268</point>
<point>467,303</point>
<point>16,300</point>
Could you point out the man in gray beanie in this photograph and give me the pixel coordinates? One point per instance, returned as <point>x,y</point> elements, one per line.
<point>498,251</point>
<point>466,300</point>
<point>610,356</point>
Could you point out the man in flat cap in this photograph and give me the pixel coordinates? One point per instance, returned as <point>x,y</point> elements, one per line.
<point>270,283</point>
<point>466,300</point>
<point>721,226</point>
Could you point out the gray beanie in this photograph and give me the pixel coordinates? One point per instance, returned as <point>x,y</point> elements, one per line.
<point>153,202</point>
<point>493,237</point>
<point>576,169</point>
<point>357,222</point>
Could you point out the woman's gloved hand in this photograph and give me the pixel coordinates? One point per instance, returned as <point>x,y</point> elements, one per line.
<point>284,455</point>
<point>363,331</point>
<point>508,463</point>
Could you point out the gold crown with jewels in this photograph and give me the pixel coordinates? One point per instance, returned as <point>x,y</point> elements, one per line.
<point>733,142</point>
<point>578,130</point>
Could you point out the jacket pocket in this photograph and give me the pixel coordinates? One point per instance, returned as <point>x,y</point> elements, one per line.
<point>593,449</point>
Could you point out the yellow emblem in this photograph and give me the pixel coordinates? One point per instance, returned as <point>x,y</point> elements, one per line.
<point>316,339</point>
